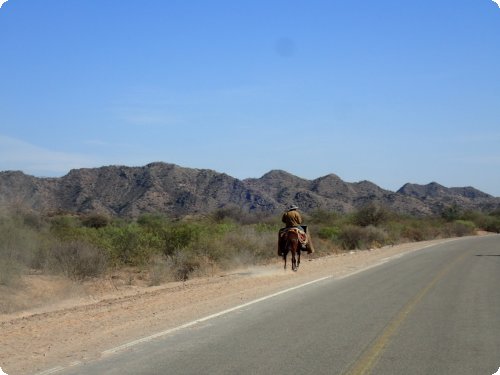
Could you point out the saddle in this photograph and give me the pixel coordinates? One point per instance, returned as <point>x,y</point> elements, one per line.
<point>300,232</point>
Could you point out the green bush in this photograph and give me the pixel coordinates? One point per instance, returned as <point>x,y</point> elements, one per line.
<point>95,221</point>
<point>451,213</point>
<point>329,233</point>
<point>326,218</point>
<point>130,244</point>
<point>460,228</point>
<point>492,225</point>
<point>180,236</point>
<point>84,246</point>
<point>372,214</point>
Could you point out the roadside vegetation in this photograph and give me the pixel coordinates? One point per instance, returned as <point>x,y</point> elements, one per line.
<point>90,246</point>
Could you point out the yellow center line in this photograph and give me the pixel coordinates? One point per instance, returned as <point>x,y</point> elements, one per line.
<point>370,356</point>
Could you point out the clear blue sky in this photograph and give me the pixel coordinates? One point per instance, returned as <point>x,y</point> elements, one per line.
<point>386,91</point>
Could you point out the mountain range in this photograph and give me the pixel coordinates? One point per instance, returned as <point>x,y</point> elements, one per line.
<point>177,191</point>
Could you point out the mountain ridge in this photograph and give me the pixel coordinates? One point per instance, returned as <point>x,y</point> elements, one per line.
<point>177,191</point>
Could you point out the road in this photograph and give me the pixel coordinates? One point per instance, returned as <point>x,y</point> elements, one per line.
<point>434,311</point>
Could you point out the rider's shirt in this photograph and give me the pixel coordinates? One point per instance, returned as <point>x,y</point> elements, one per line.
<point>292,218</point>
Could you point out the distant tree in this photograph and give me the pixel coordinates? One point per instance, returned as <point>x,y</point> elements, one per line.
<point>95,221</point>
<point>451,213</point>
<point>371,214</point>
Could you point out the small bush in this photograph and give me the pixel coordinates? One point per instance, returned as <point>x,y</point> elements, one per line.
<point>18,248</point>
<point>354,237</point>
<point>77,260</point>
<point>159,270</point>
<point>10,271</point>
<point>493,225</point>
<point>183,264</point>
<point>451,213</point>
<point>460,228</point>
<point>129,244</point>
<point>374,237</point>
<point>371,214</point>
<point>351,237</point>
<point>180,236</point>
<point>329,233</point>
<point>322,217</point>
<point>95,221</point>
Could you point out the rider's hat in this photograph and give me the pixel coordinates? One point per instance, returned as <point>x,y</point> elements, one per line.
<point>292,207</point>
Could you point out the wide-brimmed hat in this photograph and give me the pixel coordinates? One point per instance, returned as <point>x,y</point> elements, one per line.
<point>293,207</point>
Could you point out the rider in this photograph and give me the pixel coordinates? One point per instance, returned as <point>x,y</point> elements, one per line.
<point>292,219</point>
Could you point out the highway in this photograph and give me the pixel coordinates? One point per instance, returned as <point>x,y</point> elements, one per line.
<point>432,311</point>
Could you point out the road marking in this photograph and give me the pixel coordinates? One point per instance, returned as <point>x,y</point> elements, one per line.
<point>197,321</point>
<point>370,356</point>
<point>51,371</point>
<point>194,322</point>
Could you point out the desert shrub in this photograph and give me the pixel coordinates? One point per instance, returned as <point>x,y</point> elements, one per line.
<point>451,213</point>
<point>329,233</point>
<point>247,245</point>
<point>10,271</point>
<point>415,232</point>
<point>374,237</point>
<point>159,270</point>
<point>351,237</point>
<point>155,223</point>
<point>231,213</point>
<point>460,228</point>
<point>266,228</point>
<point>18,248</point>
<point>488,222</point>
<point>492,224</point>
<point>129,244</point>
<point>236,214</point>
<point>182,264</point>
<point>65,227</point>
<point>372,214</point>
<point>324,218</point>
<point>95,221</point>
<point>33,221</point>
<point>180,236</point>
<point>77,260</point>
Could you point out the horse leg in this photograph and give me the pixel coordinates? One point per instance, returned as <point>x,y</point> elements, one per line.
<point>298,258</point>
<point>294,261</point>
<point>284,259</point>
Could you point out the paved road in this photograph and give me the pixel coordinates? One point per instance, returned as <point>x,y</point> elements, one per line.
<point>434,311</point>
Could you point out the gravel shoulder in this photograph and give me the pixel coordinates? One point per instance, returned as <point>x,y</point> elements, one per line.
<point>80,329</point>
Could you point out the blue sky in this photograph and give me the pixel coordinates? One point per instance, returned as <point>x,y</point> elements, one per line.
<point>385,91</point>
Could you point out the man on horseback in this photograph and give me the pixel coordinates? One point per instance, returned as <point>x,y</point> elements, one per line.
<point>293,219</point>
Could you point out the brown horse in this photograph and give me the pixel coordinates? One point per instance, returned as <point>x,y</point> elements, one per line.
<point>289,242</point>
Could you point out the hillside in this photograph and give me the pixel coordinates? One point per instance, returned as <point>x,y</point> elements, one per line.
<point>177,191</point>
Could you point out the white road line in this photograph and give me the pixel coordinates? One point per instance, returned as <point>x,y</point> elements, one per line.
<point>51,371</point>
<point>204,319</point>
<point>192,323</point>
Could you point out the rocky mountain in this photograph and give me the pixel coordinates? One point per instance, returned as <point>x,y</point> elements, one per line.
<point>177,191</point>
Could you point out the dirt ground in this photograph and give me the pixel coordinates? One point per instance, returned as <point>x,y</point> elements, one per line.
<point>77,323</point>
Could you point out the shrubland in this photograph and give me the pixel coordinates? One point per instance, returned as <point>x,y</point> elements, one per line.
<point>90,246</point>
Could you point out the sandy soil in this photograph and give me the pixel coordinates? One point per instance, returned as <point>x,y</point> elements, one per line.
<point>107,314</point>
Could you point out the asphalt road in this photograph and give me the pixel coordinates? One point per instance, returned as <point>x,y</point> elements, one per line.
<point>433,311</point>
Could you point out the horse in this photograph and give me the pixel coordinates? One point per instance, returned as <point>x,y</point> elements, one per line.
<point>289,242</point>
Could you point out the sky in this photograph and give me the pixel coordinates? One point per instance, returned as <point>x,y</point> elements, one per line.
<point>388,91</point>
